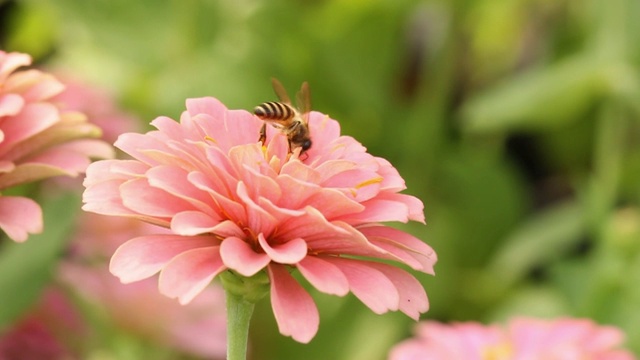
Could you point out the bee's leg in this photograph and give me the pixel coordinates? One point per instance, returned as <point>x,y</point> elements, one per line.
<point>290,149</point>
<point>263,133</point>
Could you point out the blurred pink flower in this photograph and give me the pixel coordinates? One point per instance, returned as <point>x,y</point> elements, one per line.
<point>99,107</point>
<point>37,141</point>
<point>45,332</point>
<point>198,328</point>
<point>522,339</point>
<point>234,204</point>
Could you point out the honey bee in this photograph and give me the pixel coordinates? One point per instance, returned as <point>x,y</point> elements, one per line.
<point>291,121</point>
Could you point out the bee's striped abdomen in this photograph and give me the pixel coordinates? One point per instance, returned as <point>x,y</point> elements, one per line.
<point>274,110</point>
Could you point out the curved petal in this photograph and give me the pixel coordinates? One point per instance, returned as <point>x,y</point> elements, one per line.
<point>369,285</point>
<point>259,221</point>
<point>407,248</point>
<point>144,256</point>
<point>138,196</point>
<point>104,198</point>
<point>323,275</point>
<point>191,223</point>
<point>19,217</point>
<point>239,256</point>
<point>294,309</point>
<point>413,298</point>
<point>187,274</point>
<point>290,252</point>
<point>173,180</point>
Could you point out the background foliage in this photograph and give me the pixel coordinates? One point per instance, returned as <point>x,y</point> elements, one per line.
<point>515,121</point>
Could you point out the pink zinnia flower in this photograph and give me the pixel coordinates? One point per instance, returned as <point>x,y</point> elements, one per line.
<point>233,204</point>
<point>522,339</point>
<point>37,141</point>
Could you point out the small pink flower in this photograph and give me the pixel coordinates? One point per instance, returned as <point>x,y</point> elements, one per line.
<point>37,141</point>
<point>233,204</point>
<point>522,339</point>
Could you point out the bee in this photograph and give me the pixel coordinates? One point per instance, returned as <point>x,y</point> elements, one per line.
<point>291,121</point>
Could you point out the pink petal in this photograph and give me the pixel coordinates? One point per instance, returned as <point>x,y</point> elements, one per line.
<point>106,170</point>
<point>323,275</point>
<point>132,144</point>
<point>413,298</point>
<point>187,274</point>
<point>33,119</point>
<point>138,196</point>
<point>189,223</point>
<point>91,148</point>
<point>332,203</point>
<point>407,248</point>
<point>324,236</point>
<point>20,217</point>
<point>9,62</point>
<point>30,172</point>
<point>144,256</point>
<point>44,86</point>
<point>174,181</point>
<point>10,104</point>
<point>290,252</point>
<point>259,185</point>
<point>392,181</point>
<point>369,285</point>
<point>259,221</point>
<point>206,105</point>
<point>6,166</point>
<point>293,307</point>
<point>66,160</point>
<point>415,206</point>
<point>104,198</point>
<point>301,172</point>
<point>239,256</point>
<point>324,131</point>
<point>227,207</point>
<point>378,210</point>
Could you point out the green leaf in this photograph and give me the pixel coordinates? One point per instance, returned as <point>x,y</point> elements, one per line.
<point>27,267</point>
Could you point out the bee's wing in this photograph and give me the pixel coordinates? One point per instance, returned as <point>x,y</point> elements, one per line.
<point>303,99</point>
<point>280,91</point>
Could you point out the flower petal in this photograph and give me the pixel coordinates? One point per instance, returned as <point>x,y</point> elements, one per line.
<point>407,248</point>
<point>20,217</point>
<point>239,256</point>
<point>294,309</point>
<point>369,285</point>
<point>144,256</point>
<point>413,298</point>
<point>187,274</point>
<point>173,180</point>
<point>290,252</point>
<point>324,275</point>
<point>140,197</point>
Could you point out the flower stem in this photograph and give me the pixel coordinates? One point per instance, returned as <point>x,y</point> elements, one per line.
<point>239,313</point>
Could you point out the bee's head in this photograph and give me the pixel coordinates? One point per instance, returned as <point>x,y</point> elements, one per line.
<point>306,145</point>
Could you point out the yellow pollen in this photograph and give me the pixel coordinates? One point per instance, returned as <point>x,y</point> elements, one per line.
<point>369,182</point>
<point>209,138</point>
<point>501,351</point>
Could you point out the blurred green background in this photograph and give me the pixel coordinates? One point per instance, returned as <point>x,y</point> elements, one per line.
<point>515,121</point>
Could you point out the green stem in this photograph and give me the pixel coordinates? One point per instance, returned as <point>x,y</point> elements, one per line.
<point>239,313</point>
